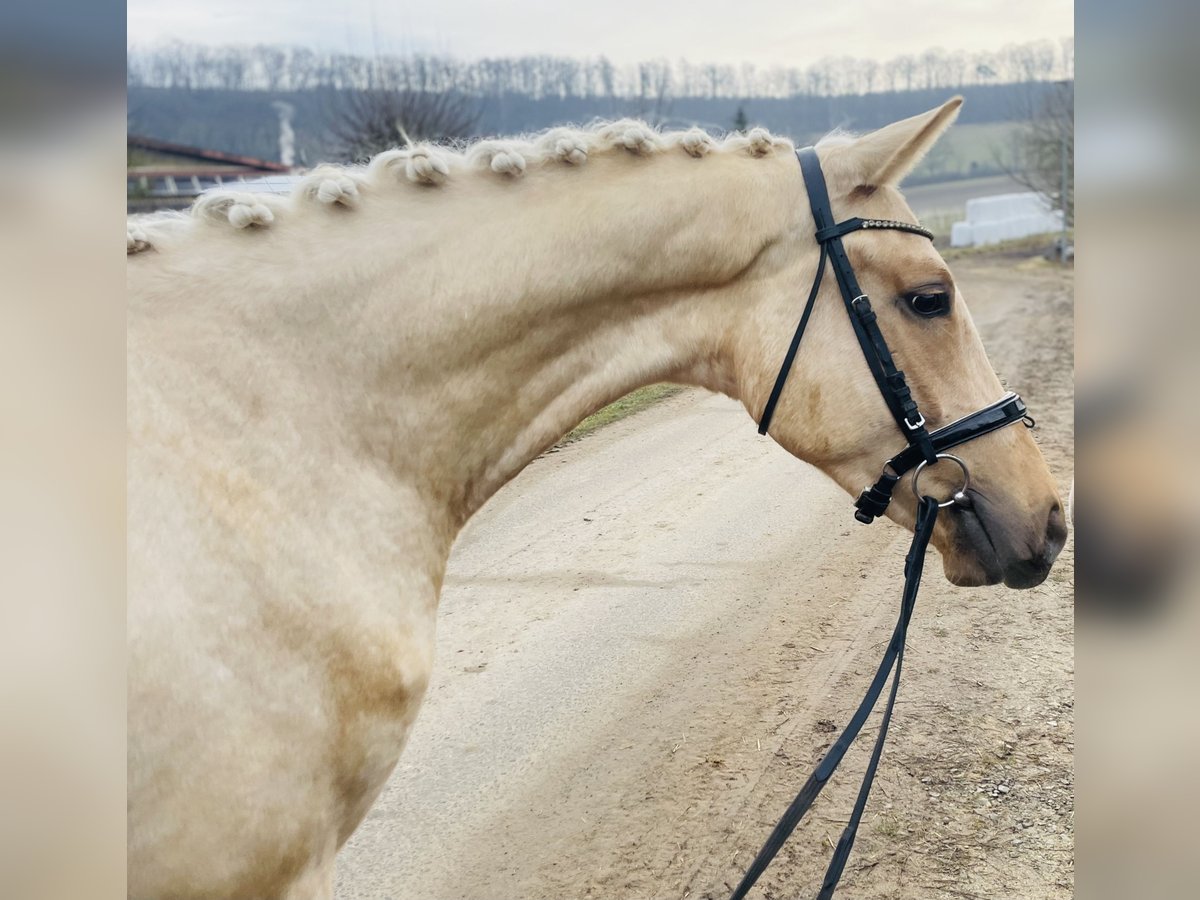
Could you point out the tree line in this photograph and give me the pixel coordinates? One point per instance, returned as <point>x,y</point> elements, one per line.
<point>268,68</point>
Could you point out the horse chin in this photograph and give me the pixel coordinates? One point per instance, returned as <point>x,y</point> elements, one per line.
<point>969,573</point>
<point>972,559</point>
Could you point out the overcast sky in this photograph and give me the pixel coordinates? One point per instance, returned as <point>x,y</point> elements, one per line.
<point>766,32</point>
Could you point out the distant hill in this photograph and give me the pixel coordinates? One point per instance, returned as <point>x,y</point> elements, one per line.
<point>246,122</point>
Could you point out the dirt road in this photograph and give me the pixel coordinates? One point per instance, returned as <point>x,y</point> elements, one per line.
<point>647,640</point>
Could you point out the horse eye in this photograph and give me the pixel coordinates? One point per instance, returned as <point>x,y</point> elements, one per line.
<point>929,305</point>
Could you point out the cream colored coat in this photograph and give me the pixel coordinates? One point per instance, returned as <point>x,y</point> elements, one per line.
<point>323,388</point>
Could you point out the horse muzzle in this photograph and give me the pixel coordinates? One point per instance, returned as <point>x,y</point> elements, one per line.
<point>988,545</point>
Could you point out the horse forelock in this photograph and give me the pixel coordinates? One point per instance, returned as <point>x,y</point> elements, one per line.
<point>425,166</point>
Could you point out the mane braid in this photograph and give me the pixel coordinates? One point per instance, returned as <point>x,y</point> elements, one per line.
<point>425,166</point>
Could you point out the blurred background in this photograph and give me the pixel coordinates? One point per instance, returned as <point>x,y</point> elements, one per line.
<point>1137,626</point>
<point>254,94</point>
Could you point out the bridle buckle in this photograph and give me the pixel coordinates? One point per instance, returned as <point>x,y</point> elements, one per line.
<point>917,425</point>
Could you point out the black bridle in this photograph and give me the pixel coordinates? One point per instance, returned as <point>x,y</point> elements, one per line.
<point>923,448</point>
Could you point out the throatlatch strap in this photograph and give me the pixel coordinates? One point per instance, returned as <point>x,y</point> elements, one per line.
<point>769,410</point>
<point>892,658</point>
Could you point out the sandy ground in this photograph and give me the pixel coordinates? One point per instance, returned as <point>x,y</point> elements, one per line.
<point>647,640</point>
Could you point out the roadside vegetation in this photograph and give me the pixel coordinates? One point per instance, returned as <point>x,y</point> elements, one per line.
<point>633,402</point>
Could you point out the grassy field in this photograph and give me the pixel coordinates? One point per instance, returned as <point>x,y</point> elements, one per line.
<point>968,151</point>
<point>634,401</point>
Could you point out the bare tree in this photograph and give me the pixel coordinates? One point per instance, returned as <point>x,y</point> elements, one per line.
<point>274,63</point>
<point>1042,155</point>
<point>930,63</point>
<point>870,71</point>
<point>908,69</point>
<point>892,73</point>
<point>654,90</point>
<point>274,69</point>
<point>364,123</point>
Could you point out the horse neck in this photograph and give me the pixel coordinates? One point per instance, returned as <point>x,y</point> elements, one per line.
<point>464,338</point>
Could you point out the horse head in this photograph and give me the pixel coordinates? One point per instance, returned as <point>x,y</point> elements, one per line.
<point>1010,525</point>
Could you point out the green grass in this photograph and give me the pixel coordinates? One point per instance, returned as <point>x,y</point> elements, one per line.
<point>633,402</point>
<point>887,825</point>
<point>964,145</point>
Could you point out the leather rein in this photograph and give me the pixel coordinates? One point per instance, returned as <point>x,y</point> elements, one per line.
<point>923,448</point>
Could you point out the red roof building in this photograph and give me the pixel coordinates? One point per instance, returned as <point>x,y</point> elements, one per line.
<point>162,175</point>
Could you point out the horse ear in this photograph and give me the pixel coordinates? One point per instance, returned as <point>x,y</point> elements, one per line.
<point>884,157</point>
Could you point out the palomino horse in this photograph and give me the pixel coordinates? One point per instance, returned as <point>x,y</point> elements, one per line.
<point>324,388</point>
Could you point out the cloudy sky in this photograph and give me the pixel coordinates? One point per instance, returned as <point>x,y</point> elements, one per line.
<point>789,32</point>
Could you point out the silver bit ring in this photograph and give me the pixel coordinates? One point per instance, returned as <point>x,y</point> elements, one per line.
<point>959,497</point>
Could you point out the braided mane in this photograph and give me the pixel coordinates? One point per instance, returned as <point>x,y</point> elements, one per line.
<point>427,166</point>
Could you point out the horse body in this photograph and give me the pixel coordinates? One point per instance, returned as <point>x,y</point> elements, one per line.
<point>271,686</point>
<point>319,401</point>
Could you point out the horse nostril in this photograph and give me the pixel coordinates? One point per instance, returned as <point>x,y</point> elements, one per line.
<point>1056,531</point>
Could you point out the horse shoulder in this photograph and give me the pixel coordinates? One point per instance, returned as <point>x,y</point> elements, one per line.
<point>306,641</point>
